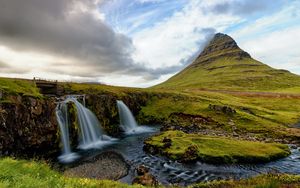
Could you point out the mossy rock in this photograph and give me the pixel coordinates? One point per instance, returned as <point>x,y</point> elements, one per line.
<point>217,150</point>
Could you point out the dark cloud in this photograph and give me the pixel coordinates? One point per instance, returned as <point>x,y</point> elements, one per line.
<point>57,28</point>
<point>243,7</point>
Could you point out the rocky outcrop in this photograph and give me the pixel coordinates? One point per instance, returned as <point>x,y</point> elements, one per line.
<point>221,45</point>
<point>105,107</point>
<point>144,177</point>
<point>223,109</point>
<point>188,123</point>
<point>28,126</point>
<point>107,165</point>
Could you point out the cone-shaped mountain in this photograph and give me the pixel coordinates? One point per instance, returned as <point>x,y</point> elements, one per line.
<point>224,65</point>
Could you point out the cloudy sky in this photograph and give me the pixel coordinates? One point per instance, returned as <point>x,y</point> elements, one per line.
<point>138,42</point>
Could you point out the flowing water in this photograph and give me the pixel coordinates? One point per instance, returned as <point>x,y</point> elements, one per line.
<point>170,172</point>
<point>131,147</point>
<point>128,122</point>
<point>91,133</point>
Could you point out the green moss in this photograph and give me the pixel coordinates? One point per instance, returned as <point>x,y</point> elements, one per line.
<point>262,181</point>
<point>217,149</point>
<point>21,173</point>
<point>19,86</point>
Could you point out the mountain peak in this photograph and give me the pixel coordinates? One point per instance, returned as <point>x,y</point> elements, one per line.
<point>221,45</point>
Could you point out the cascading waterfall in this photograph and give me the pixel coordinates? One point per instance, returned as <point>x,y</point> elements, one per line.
<point>91,133</point>
<point>128,122</point>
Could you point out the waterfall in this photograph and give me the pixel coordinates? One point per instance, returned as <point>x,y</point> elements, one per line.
<point>91,135</point>
<point>128,122</point>
<point>63,122</point>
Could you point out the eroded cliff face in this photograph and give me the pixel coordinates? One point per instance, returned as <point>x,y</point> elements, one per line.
<point>28,126</point>
<point>105,108</point>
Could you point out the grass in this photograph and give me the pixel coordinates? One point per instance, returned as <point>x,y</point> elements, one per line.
<point>263,181</point>
<point>21,173</point>
<point>229,73</point>
<point>270,116</point>
<point>19,86</point>
<point>217,149</point>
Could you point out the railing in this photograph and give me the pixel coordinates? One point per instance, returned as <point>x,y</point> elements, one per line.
<point>37,79</point>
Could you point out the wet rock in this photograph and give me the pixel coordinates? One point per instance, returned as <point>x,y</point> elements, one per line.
<point>144,177</point>
<point>294,147</point>
<point>108,165</point>
<point>141,170</point>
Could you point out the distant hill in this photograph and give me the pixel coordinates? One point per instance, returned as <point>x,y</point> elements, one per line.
<point>223,65</point>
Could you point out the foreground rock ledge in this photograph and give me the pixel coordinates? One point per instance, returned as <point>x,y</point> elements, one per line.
<point>184,147</point>
<point>107,165</point>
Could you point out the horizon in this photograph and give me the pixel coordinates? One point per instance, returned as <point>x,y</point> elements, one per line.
<point>138,43</point>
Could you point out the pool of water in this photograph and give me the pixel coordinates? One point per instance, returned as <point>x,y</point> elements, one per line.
<point>170,172</point>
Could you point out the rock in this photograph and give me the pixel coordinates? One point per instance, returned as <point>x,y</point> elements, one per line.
<point>107,165</point>
<point>294,147</point>
<point>146,180</point>
<point>190,154</point>
<point>224,109</point>
<point>167,142</point>
<point>141,170</point>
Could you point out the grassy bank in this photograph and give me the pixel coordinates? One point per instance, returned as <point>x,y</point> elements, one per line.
<point>186,147</point>
<point>21,173</point>
<point>263,181</point>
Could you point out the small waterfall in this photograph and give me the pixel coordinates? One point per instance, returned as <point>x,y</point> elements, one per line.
<point>127,120</point>
<point>91,134</point>
<point>63,122</point>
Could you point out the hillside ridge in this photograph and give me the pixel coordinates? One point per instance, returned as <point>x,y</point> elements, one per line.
<point>223,65</point>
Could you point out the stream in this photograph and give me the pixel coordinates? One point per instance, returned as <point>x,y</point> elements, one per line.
<point>170,172</point>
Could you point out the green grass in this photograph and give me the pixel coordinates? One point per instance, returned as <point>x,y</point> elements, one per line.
<point>271,116</point>
<point>21,173</point>
<point>262,181</point>
<point>229,73</point>
<point>19,86</point>
<point>218,149</point>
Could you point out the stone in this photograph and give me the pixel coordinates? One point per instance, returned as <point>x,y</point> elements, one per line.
<point>107,165</point>
<point>167,142</point>
<point>224,109</point>
<point>141,170</point>
<point>190,154</point>
<point>146,180</point>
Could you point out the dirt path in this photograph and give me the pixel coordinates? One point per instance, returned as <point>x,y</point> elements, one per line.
<point>253,94</point>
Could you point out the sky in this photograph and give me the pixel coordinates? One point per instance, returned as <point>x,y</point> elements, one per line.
<point>138,43</point>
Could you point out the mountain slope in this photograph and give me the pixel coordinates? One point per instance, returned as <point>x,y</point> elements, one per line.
<point>223,65</point>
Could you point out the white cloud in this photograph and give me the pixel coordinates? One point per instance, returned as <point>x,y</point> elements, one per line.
<point>177,38</point>
<point>274,39</point>
<point>280,49</point>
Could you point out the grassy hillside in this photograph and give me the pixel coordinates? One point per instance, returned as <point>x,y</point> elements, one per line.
<point>19,86</point>
<point>223,65</point>
<point>229,73</point>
